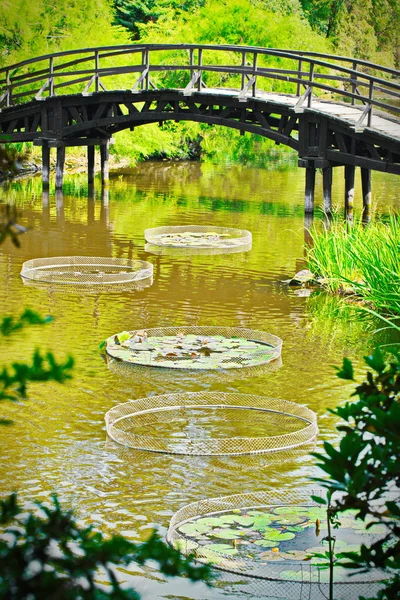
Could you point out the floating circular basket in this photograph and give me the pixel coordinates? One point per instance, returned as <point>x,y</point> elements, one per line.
<point>198,239</point>
<point>211,423</point>
<point>196,348</point>
<point>272,538</point>
<point>91,273</point>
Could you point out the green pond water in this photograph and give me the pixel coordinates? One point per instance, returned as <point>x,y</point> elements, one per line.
<point>58,442</point>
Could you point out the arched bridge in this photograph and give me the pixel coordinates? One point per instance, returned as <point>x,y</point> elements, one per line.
<point>334,111</point>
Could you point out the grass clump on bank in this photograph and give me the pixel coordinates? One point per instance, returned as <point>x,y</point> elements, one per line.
<point>360,260</point>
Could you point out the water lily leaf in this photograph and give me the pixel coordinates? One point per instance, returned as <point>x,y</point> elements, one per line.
<point>123,336</point>
<point>293,510</point>
<point>271,556</point>
<point>226,534</point>
<point>211,521</point>
<point>295,528</point>
<point>266,544</point>
<point>288,519</point>
<point>376,529</point>
<point>219,549</point>
<point>261,522</point>
<point>278,536</point>
<point>194,529</point>
<point>352,548</point>
<point>185,546</point>
<point>294,555</point>
<point>245,520</point>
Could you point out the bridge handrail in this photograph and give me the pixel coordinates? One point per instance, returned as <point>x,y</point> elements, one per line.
<point>224,47</point>
<point>350,76</point>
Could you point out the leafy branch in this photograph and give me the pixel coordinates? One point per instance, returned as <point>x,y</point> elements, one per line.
<point>49,556</point>
<point>363,471</point>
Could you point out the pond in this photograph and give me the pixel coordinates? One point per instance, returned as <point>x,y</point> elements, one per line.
<point>58,442</point>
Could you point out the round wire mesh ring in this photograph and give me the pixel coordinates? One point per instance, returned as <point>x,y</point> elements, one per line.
<point>201,348</point>
<point>206,419</point>
<point>199,237</point>
<point>86,271</point>
<point>271,536</point>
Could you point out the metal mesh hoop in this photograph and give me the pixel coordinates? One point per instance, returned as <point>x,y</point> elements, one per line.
<point>266,348</point>
<point>173,380</point>
<point>199,237</point>
<point>194,251</point>
<point>298,423</point>
<point>296,571</point>
<point>86,270</point>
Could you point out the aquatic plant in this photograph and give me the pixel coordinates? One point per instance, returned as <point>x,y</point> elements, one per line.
<point>362,261</point>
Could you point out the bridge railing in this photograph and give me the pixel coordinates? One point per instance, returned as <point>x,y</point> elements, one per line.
<point>193,67</point>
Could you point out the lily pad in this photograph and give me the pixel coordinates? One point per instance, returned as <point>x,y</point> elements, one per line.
<point>266,544</point>
<point>225,549</point>
<point>194,529</point>
<point>292,510</point>
<point>185,546</point>
<point>289,519</point>
<point>376,529</point>
<point>226,534</point>
<point>261,522</point>
<point>278,536</point>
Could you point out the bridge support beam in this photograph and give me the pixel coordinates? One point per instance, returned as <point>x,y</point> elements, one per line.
<point>310,189</point>
<point>45,167</point>
<point>60,167</point>
<point>349,176</point>
<point>104,158</point>
<point>366,189</point>
<point>91,157</point>
<point>327,189</point>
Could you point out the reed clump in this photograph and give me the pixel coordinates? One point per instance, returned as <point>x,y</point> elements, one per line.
<point>359,260</point>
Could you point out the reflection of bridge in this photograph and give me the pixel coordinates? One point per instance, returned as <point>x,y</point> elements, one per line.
<point>335,111</point>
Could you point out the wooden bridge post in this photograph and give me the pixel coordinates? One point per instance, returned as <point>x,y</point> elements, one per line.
<point>310,188</point>
<point>104,157</point>
<point>349,172</point>
<point>60,167</point>
<point>327,189</point>
<point>91,157</point>
<point>45,166</point>
<point>366,189</point>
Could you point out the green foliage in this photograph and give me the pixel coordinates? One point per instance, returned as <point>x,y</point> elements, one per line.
<point>130,13</point>
<point>14,380</point>
<point>46,555</point>
<point>368,29</point>
<point>29,29</point>
<point>360,260</point>
<point>364,469</point>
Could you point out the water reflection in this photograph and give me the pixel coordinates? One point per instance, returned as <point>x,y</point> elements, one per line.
<point>57,442</point>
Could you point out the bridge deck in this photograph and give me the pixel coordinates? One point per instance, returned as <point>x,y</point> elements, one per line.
<point>382,123</point>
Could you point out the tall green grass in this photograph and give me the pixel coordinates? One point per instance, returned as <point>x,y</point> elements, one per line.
<point>362,260</point>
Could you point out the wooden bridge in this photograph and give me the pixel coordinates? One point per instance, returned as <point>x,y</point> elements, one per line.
<point>334,111</point>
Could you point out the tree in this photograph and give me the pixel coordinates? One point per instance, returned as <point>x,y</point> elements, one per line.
<point>45,554</point>
<point>130,13</point>
<point>364,470</point>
